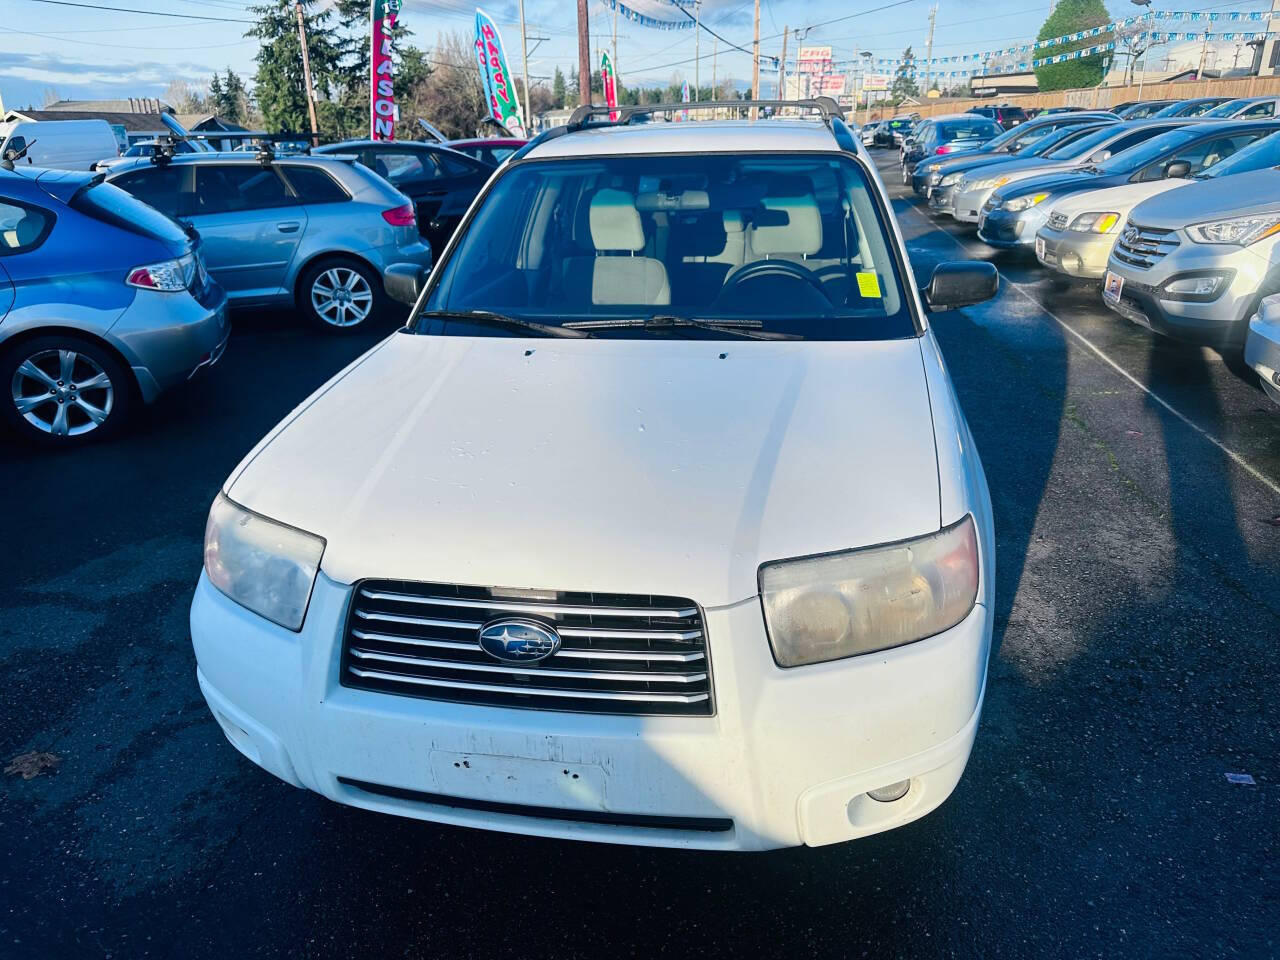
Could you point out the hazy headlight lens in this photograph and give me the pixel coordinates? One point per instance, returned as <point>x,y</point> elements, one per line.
<point>950,180</point>
<point>263,565</point>
<point>1238,230</point>
<point>988,183</point>
<point>1025,203</point>
<point>860,601</point>
<point>1101,222</point>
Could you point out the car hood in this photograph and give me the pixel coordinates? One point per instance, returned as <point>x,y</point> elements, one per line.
<point>670,467</point>
<point>1056,181</point>
<point>965,161</point>
<point>1119,199</point>
<point>1217,198</point>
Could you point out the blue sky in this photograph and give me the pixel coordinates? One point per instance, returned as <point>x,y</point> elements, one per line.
<point>92,54</point>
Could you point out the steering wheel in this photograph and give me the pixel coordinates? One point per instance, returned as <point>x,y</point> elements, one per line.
<point>771,268</point>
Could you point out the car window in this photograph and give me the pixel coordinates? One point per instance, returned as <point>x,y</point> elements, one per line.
<point>110,204</point>
<point>1204,154</point>
<point>1154,149</point>
<point>1070,142</point>
<point>793,243</point>
<point>231,188</point>
<point>1267,109</point>
<point>22,226</point>
<point>496,155</point>
<point>170,189</point>
<point>1134,138</point>
<point>1224,109</point>
<point>975,129</point>
<point>313,185</point>
<point>403,166</point>
<point>1262,153</point>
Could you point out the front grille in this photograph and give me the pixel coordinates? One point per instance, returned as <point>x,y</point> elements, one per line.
<point>1143,246</point>
<point>630,654</point>
<point>1057,221</point>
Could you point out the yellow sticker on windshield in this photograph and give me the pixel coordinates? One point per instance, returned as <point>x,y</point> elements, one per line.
<point>869,284</point>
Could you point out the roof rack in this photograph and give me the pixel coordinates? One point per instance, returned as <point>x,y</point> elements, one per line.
<point>582,116</point>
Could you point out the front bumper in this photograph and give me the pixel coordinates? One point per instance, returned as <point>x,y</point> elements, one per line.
<point>942,200</point>
<point>1221,322</point>
<point>1074,253</point>
<point>1000,228</point>
<point>968,204</point>
<point>787,759</point>
<point>1262,353</point>
<point>167,337</point>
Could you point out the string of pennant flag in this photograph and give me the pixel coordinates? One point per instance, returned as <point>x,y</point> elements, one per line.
<point>644,20</point>
<point>978,59</point>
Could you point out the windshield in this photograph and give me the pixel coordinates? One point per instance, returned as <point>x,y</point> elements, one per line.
<point>1062,138</point>
<point>901,123</point>
<point>975,129</point>
<point>1127,161</point>
<point>1029,139</point>
<point>1226,109</point>
<point>790,244</point>
<point>1257,155</point>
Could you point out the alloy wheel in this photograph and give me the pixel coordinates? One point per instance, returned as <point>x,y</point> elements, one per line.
<point>341,297</point>
<point>63,393</point>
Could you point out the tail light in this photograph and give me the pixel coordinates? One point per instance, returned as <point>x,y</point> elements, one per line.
<point>943,149</point>
<point>400,216</point>
<point>169,276</point>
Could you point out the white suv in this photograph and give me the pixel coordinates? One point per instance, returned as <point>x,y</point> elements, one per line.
<point>658,524</point>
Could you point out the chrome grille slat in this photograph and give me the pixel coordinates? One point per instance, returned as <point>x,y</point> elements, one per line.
<point>628,654</point>
<point>1057,221</point>
<point>615,676</point>
<point>685,698</point>
<point>1145,246</point>
<point>523,606</point>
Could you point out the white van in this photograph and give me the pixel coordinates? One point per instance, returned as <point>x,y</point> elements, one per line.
<point>59,144</point>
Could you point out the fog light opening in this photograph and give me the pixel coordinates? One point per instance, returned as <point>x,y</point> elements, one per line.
<point>894,791</point>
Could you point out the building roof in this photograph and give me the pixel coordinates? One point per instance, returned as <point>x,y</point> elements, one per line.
<point>127,105</point>
<point>207,122</point>
<point>730,136</point>
<point>132,122</point>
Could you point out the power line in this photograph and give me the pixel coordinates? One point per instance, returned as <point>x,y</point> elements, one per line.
<point>151,13</point>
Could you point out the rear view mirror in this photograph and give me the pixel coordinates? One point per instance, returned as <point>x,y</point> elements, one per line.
<point>1100,156</point>
<point>404,281</point>
<point>961,283</point>
<point>1177,169</point>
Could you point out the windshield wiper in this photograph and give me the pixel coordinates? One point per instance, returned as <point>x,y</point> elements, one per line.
<point>750,329</point>
<point>502,320</point>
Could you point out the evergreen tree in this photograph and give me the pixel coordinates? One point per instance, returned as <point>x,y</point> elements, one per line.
<point>904,80</point>
<point>279,83</point>
<point>559,90</point>
<point>216,95</point>
<point>234,104</point>
<point>1072,16</point>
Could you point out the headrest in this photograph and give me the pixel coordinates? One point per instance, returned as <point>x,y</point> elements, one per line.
<point>733,222</point>
<point>615,222</point>
<point>787,225</point>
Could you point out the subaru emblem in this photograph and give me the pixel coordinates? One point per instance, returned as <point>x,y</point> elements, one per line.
<point>518,641</point>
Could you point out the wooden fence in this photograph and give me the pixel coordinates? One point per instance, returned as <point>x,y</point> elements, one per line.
<point>1097,98</point>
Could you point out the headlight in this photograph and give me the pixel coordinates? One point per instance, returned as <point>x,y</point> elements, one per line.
<point>950,179</point>
<point>263,565</point>
<point>988,183</point>
<point>860,601</point>
<point>1024,203</point>
<point>1200,288</point>
<point>1241,231</point>
<point>1095,222</point>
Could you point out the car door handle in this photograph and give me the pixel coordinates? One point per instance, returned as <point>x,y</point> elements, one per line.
<point>288,226</point>
<point>436,193</point>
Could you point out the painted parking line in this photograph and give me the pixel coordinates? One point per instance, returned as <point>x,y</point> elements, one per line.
<point>1019,288</point>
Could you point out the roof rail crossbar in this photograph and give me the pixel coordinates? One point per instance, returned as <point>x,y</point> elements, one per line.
<point>582,116</point>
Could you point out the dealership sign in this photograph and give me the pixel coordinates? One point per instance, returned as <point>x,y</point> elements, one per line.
<point>876,81</point>
<point>813,60</point>
<point>382,94</point>
<point>499,88</point>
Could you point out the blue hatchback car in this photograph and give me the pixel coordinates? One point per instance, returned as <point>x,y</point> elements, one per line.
<point>104,302</point>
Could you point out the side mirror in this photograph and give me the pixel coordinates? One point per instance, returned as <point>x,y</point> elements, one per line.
<point>1100,156</point>
<point>1177,170</point>
<point>961,283</point>
<point>13,149</point>
<point>404,281</point>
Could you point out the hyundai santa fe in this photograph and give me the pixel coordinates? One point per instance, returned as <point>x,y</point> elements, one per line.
<point>659,523</point>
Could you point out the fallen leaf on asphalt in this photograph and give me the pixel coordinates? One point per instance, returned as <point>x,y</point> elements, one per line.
<point>1274,521</point>
<point>31,765</point>
<point>1133,433</point>
<point>1242,778</point>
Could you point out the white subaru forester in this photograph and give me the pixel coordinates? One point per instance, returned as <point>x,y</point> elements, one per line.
<point>659,522</point>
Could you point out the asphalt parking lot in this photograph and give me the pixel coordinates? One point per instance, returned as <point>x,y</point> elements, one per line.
<point>1136,486</point>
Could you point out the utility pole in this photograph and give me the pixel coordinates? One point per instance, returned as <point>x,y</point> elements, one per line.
<point>615,45</point>
<point>306,74</point>
<point>584,56</point>
<point>928,49</point>
<point>755,62</point>
<point>782,65</point>
<point>524,55</point>
<point>715,49</point>
<point>697,44</point>
<point>1204,51</point>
